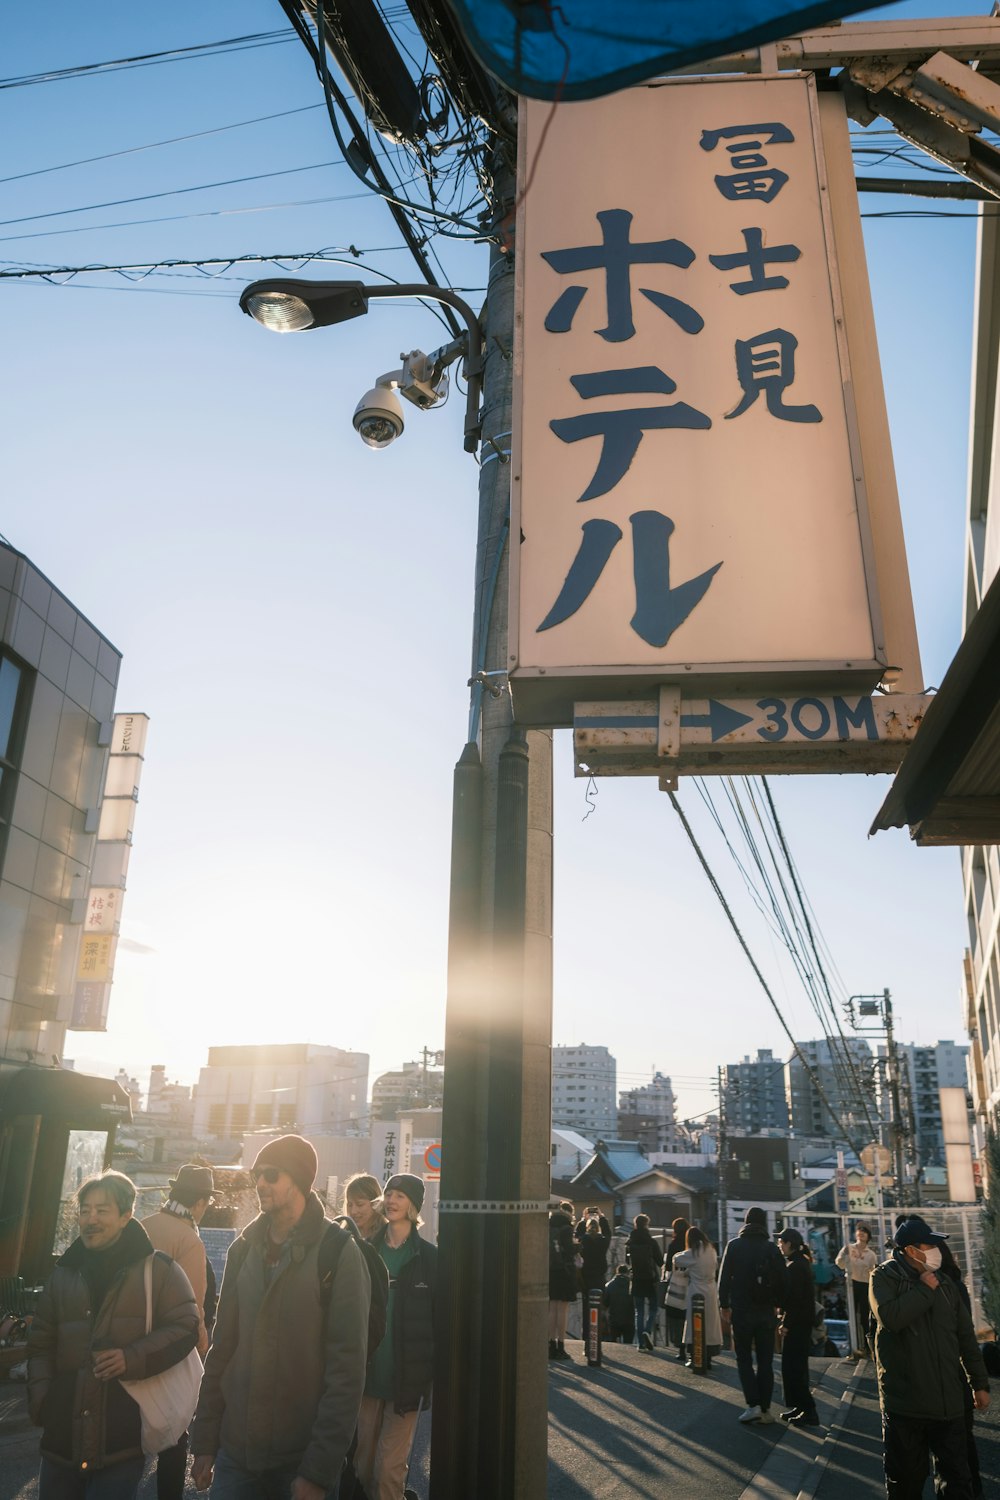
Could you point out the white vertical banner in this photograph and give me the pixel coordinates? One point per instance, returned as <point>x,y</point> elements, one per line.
<point>103,904</point>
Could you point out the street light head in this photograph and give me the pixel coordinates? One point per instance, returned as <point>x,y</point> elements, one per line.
<point>281,312</point>
<point>378,417</point>
<point>290,305</point>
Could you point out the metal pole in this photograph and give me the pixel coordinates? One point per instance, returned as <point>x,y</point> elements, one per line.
<point>723,1152</point>
<point>897,1118</point>
<point>489,1423</point>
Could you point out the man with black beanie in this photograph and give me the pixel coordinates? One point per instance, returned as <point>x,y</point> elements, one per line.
<point>751,1281</point>
<point>927,1357</point>
<point>286,1370</point>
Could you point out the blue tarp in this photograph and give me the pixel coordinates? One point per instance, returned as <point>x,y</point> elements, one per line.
<point>580,49</point>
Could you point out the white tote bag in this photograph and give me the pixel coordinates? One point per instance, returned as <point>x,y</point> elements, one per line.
<point>165,1401</point>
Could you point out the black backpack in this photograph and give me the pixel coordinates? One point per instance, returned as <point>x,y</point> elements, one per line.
<point>334,1238</point>
<point>378,1275</point>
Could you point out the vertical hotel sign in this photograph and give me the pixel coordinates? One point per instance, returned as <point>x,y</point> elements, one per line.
<point>102,908</point>
<point>688,476</point>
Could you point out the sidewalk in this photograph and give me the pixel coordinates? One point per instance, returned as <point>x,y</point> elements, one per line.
<point>642,1426</point>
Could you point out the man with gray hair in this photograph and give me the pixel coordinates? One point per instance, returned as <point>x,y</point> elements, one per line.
<point>88,1333</point>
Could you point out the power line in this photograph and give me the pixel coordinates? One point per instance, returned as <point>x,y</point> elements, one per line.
<point>151,59</point>
<point>194,135</point>
<point>760,977</point>
<point>200,187</point>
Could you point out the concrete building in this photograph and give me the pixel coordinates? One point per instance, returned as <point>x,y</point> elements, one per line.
<point>648,1114</point>
<point>925,1070</point>
<point>58,677</point>
<point>583,1090</point>
<point>413,1086</point>
<point>753,1092</point>
<point>293,1087</point>
<point>844,1070</point>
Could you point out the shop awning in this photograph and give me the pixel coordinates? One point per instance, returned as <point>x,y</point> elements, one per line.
<point>77,1098</point>
<point>947,791</point>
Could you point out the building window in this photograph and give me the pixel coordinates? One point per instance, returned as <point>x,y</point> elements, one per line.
<point>217,1119</point>
<point>14,684</point>
<point>744,1171</point>
<point>777,1171</point>
<point>240,1118</point>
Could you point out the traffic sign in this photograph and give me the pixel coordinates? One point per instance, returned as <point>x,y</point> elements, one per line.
<point>673,735</point>
<point>432,1160</point>
<point>868,1157</point>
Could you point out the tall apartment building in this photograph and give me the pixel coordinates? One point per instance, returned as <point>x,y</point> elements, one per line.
<point>292,1087</point>
<point>925,1070</point>
<point>981,862</point>
<point>583,1091</point>
<point>753,1093</point>
<point>648,1114</point>
<point>844,1068</point>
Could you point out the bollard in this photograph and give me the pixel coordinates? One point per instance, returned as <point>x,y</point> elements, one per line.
<point>699,1356</point>
<point>593,1301</point>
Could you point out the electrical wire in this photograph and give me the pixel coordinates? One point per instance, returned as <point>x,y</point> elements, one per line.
<point>813,1076</point>
<point>174,140</point>
<point>149,59</point>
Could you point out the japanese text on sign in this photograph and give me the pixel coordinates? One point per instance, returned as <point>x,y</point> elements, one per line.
<point>684,448</point>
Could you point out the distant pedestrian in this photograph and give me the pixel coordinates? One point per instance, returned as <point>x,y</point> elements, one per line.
<point>751,1285</point>
<point>675,1288</point>
<point>798,1314</point>
<point>925,1355</point>
<point>593,1249</point>
<point>620,1308</point>
<point>399,1380</point>
<point>363,1204</point>
<point>645,1258</point>
<point>563,1280</point>
<point>859,1260</point>
<point>174,1230</point>
<point>701,1262</point>
<point>285,1374</point>
<point>88,1332</point>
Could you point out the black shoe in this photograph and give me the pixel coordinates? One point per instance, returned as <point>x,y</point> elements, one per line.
<point>794,1411</point>
<point>804,1419</point>
<point>561,1352</point>
<point>552,1349</point>
<point>647,1342</point>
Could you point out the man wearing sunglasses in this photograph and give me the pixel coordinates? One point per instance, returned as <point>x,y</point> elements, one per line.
<point>286,1371</point>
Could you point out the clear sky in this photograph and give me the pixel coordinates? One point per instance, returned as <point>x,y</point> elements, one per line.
<point>294,609</point>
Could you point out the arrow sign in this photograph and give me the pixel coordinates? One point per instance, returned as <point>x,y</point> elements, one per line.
<point>719,721</point>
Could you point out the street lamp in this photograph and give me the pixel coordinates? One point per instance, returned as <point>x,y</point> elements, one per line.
<point>293,306</point>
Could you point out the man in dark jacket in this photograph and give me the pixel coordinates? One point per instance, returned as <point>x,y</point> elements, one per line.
<point>751,1281</point>
<point>88,1331</point>
<point>283,1379</point>
<point>926,1355</point>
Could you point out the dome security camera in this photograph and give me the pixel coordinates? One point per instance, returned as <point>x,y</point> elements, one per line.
<point>378,417</point>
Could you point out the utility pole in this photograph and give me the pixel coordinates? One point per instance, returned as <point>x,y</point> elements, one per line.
<point>879,1008</point>
<point>490,1423</point>
<point>723,1157</point>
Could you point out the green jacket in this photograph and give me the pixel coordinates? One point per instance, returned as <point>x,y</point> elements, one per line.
<point>284,1376</point>
<point>926,1352</point>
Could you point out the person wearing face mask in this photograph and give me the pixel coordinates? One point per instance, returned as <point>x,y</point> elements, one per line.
<point>926,1355</point>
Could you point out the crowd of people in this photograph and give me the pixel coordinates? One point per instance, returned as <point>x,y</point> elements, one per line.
<point>316,1357</point>
<point>318,1352</point>
<point>912,1314</point>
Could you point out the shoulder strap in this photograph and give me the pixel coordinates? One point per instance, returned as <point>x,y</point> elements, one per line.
<point>147,1282</point>
<point>334,1238</point>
